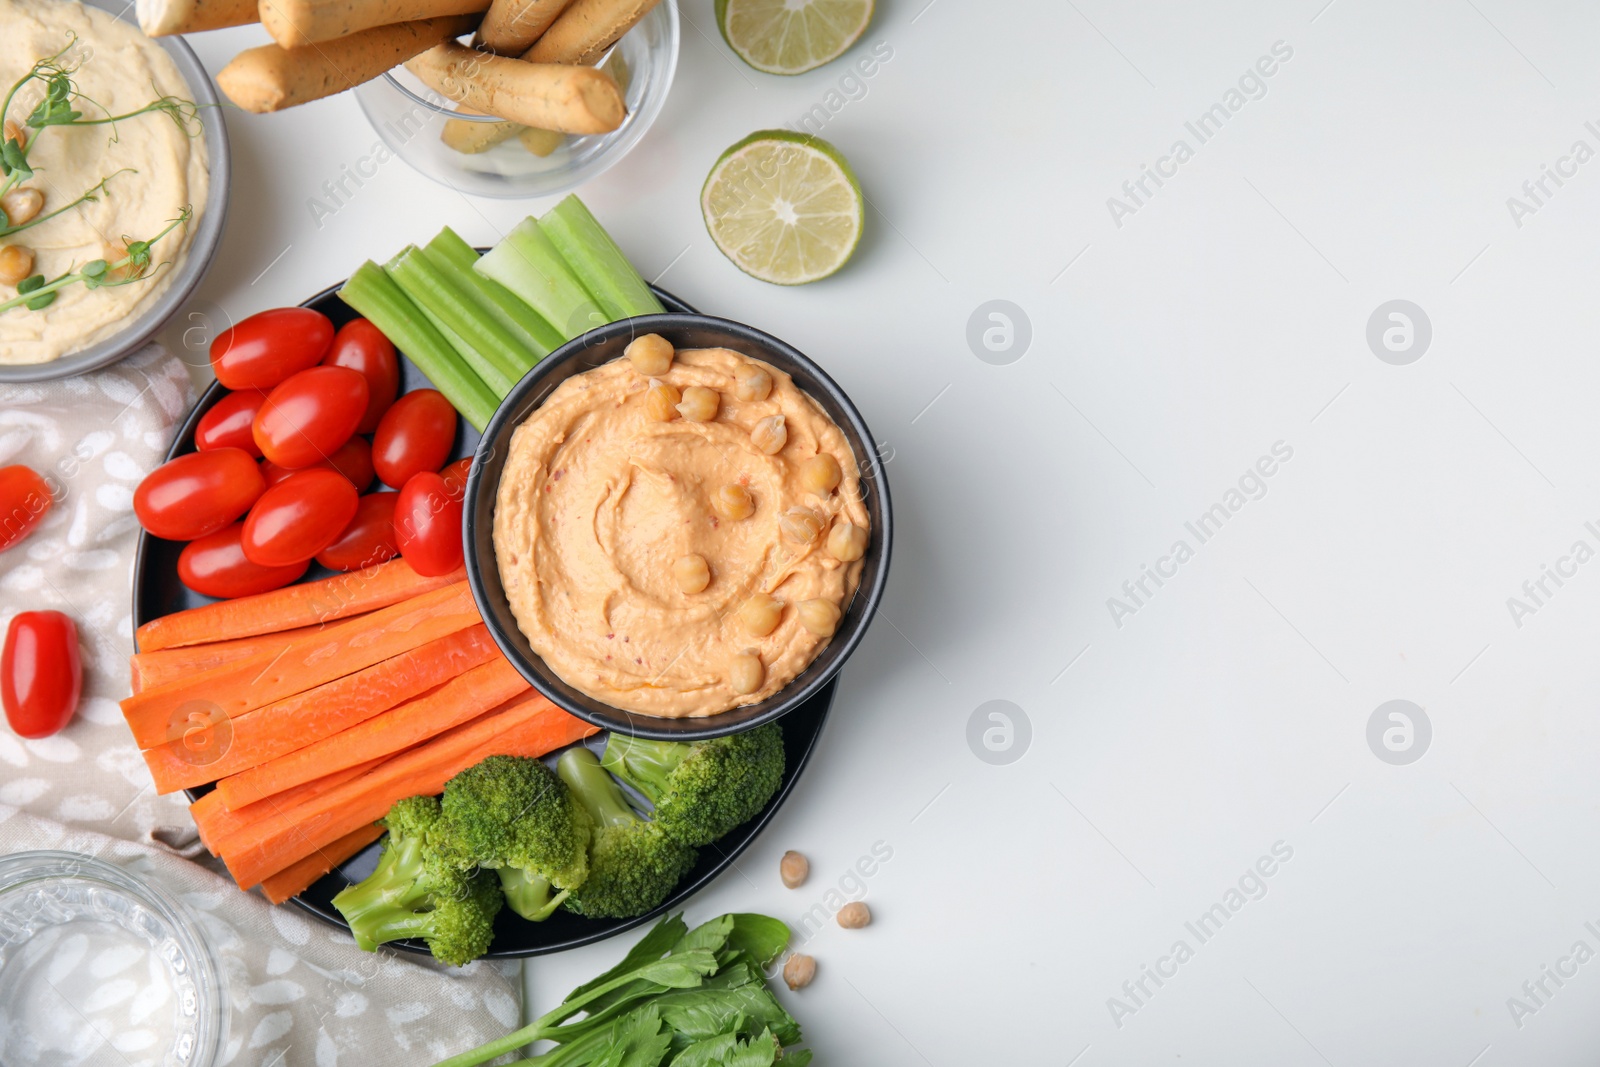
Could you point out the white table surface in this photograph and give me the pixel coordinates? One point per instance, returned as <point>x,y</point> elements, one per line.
<point>1229,712</point>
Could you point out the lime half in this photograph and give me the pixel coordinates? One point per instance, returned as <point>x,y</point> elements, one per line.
<point>784,207</point>
<point>792,36</point>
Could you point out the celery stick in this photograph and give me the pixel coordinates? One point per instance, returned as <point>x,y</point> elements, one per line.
<point>375,295</point>
<point>529,265</point>
<point>491,349</point>
<point>449,252</point>
<point>597,261</point>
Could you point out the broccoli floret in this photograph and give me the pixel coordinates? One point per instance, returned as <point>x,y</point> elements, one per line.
<point>704,789</point>
<point>416,892</point>
<point>632,864</point>
<point>514,816</point>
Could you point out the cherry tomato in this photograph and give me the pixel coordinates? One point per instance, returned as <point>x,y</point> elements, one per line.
<point>368,540</point>
<point>273,474</point>
<point>41,675</point>
<point>455,478</point>
<point>215,565</point>
<point>25,499</point>
<point>306,418</point>
<point>228,424</point>
<point>298,517</point>
<point>427,525</point>
<point>198,494</point>
<point>416,434</point>
<point>353,459</point>
<point>362,347</point>
<point>269,346</point>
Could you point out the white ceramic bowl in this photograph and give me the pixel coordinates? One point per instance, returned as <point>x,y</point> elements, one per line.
<point>208,235</point>
<point>409,117</point>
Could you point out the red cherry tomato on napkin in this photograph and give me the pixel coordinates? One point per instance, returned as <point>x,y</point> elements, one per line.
<point>368,540</point>
<point>298,517</point>
<point>229,422</point>
<point>415,435</point>
<point>25,499</point>
<point>362,347</point>
<point>198,494</point>
<point>307,417</point>
<point>215,565</point>
<point>269,346</point>
<point>41,675</point>
<point>427,525</point>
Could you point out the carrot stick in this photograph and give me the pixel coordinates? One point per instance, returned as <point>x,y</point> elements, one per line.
<point>165,713</point>
<point>453,703</point>
<point>292,607</point>
<point>150,669</point>
<point>298,876</point>
<point>216,823</point>
<point>527,726</point>
<point>277,729</point>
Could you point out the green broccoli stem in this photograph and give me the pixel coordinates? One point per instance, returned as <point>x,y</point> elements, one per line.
<point>594,788</point>
<point>393,890</point>
<point>645,765</point>
<point>528,894</point>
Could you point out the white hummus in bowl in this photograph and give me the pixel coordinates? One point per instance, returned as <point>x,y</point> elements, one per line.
<point>161,169</point>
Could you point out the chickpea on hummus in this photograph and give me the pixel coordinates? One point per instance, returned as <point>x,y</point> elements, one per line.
<point>678,533</point>
<point>154,170</point>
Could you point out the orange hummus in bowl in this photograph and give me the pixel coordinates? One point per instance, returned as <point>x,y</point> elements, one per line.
<point>678,533</point>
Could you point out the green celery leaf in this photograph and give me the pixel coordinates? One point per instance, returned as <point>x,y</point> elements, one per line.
<point>710,936</point>
<point>686,970</point>
<point>762,936</point>
<point>651,946</point>
<point>702,1013</point>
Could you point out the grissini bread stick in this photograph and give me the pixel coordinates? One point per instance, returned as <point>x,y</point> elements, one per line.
<point>295,23</point>
<point>580,36</point>
<point>271,77</point>
<point>511,26</point>
<point>586,29</point>
<point>162,18</point>
<point>549,95</point>
<point>541,142</point>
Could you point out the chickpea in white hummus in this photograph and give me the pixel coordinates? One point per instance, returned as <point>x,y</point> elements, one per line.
<point>679,533</point>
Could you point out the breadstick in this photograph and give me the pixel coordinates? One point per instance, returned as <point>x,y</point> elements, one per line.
<point>548,95</point>
<point>511,26</point>
<point>580,36</point>
<point>586,29</point>
<point>161,18</point>
<point>296,23</point>
<point>541,142</point>
<point>271,77</point>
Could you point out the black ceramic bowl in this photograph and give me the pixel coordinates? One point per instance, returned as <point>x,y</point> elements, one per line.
<point>590,351</point>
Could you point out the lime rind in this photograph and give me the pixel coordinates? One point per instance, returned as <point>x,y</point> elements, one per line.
<point>789,37</point>
<point>784,207</point>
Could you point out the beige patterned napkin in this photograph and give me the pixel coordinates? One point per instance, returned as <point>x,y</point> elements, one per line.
<point>302,995</point>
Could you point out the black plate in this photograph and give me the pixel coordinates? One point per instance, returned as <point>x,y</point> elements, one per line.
<point>157,592</point>
<point>602,345</point>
